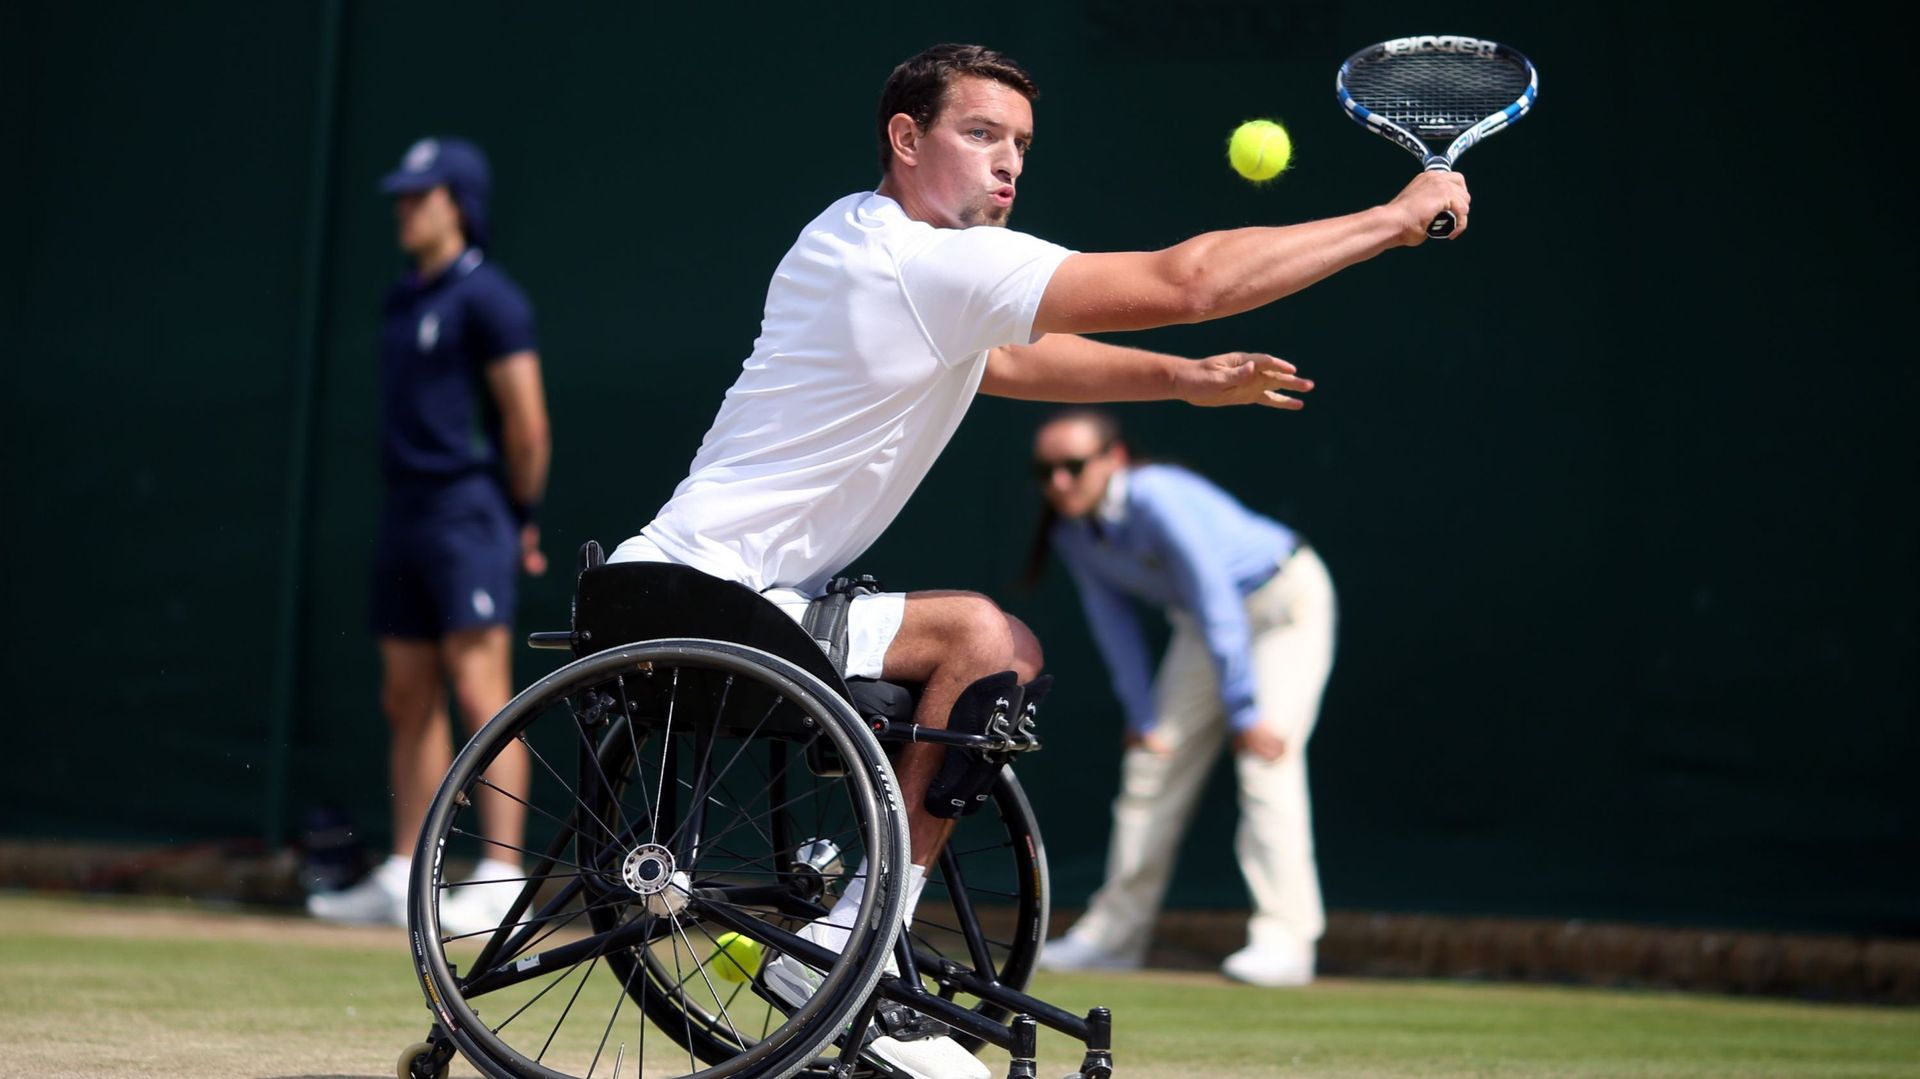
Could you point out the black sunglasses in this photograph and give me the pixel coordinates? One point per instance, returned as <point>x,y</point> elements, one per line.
<point>1043,470</point>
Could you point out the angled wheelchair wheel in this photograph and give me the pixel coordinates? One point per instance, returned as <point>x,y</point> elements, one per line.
<point>984,910</point>
<point>985,906</point>
<point>676,800</point>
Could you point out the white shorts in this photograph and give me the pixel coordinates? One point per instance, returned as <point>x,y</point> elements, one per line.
<point>873,621</point>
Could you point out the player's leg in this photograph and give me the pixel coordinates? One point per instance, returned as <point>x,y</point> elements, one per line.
<point>1292,656</point>
<point>947,641</point>
<point>1160,787</point>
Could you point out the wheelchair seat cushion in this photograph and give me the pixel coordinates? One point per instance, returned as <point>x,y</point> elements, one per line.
<point>886,700</point>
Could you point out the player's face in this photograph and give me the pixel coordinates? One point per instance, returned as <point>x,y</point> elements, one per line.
<point>1072,463</point>
<point>974,152</point>
<point>426,220</point>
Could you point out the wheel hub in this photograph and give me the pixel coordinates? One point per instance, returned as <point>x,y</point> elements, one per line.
<point>649,872</point>
<point>648,869</point>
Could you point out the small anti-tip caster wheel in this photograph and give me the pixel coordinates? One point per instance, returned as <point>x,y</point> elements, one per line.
<point>416,1062</point>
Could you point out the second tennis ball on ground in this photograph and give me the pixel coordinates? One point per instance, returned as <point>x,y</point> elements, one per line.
<point>737,959</point>
<point>1260,150</point>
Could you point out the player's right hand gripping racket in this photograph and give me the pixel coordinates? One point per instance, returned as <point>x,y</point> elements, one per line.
<point>1421,90</point>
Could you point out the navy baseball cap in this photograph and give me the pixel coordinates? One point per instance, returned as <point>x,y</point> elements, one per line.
<point>456,163</point>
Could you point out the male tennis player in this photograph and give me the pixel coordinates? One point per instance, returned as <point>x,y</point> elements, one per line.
<point>891,310</point>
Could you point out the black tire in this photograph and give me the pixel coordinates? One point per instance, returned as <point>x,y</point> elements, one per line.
<point>651,833</point>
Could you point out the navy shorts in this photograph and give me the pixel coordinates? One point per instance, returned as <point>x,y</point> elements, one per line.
<point>445,561</point>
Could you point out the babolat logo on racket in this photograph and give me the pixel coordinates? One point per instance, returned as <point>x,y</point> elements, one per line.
<point>1440,43</point>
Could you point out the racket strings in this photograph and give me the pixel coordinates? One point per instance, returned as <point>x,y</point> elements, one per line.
<point>1439,94</point>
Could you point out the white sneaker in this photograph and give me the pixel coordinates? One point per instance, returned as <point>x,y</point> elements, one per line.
<point>1074,953</point>
<point>790,980</point>
<point>929,1058</point>
<point>1271,967</point>
<point>480,904</point>
<point>379,899</point>
<point>793,982</point>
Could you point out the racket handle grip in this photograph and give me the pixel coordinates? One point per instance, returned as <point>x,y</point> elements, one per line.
<point>1442,226</point>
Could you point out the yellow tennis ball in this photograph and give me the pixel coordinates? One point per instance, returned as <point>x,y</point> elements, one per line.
<point>1260,150</point>
<point>736,958</point>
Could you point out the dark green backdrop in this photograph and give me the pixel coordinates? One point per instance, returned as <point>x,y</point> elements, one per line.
<point>1615,490</point>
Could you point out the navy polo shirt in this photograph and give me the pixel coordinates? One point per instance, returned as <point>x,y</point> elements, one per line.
<point>437,338</point>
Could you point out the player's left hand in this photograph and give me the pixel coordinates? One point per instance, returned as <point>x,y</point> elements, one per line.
<point>1262,741</point>
<point>1242,378</point>
<point>532,559</point>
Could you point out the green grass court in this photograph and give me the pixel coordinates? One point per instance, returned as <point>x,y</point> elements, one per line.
<point>172,989</point>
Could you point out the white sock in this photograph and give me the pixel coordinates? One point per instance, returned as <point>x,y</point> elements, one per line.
<point>833,930</point>
<point>916,881</point>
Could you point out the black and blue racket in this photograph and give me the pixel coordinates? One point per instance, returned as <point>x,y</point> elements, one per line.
<point>1424,91</point>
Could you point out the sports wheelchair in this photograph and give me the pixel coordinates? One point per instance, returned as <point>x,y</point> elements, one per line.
<point>705,784</point>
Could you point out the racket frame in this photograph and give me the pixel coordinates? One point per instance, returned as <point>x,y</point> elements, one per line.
<point>1393,132</point>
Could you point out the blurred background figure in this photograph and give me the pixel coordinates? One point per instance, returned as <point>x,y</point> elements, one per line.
<point>464,457</point>
<point>1252,614</point>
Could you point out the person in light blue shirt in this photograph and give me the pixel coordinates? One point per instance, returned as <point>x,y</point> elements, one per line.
<point>1252,612</point>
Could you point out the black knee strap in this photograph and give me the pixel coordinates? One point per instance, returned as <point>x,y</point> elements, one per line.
<point>990,706</point>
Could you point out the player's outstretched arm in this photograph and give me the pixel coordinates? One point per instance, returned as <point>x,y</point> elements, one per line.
<point>1217,274</point>
<point>1076,370</point>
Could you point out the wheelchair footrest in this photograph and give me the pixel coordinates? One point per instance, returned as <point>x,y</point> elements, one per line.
<point>901,1023</point>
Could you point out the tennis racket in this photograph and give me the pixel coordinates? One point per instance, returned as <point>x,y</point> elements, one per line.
<point>1424,91</point>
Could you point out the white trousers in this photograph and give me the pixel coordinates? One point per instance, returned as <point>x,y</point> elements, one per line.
<point>1293,619</point>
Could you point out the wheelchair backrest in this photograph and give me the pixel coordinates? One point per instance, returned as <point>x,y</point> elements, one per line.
<point>623,602</point>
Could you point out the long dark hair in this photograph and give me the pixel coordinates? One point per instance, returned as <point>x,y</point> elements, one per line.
<point>1040,548</point>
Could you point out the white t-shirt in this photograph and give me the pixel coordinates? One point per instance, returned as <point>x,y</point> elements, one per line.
<point>875,338</point>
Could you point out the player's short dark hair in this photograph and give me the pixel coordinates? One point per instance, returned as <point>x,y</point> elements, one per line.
<point>919,86</point>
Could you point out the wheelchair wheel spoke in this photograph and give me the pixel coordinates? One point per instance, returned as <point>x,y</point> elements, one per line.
<point>685,1014</point>
<point>666,748</point>
<point>982,850</point>
<point>741,751</point>
<point>568,1010</point>
<point>575,795</point>
<point>476,836</point>
<point>530,807</point>
<point>607,1032</point>
<point>633,746</point>
<point>919,921</point>
<point>793,801</point>
<point>701,968</point>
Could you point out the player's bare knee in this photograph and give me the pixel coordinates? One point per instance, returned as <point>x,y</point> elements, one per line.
<point>1028,659</point>
<point>985,634</point>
